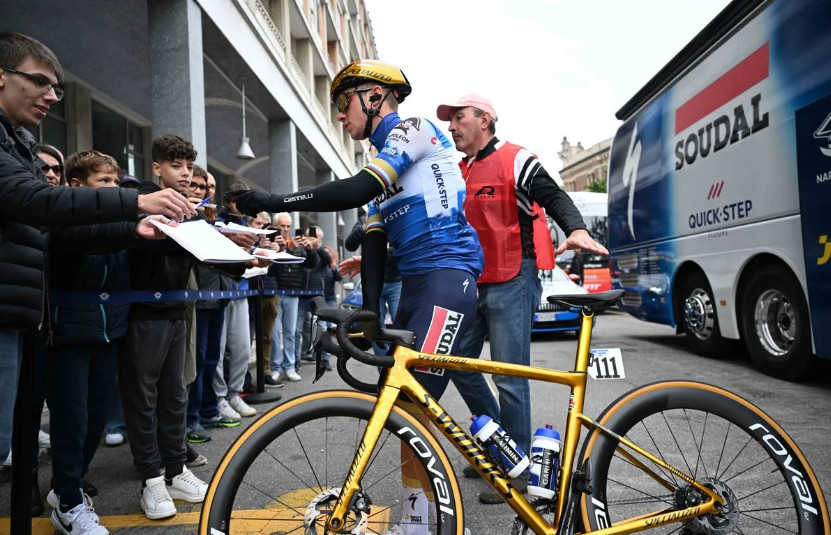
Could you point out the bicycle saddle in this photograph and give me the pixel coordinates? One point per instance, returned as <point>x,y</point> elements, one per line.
<point>598,302</point>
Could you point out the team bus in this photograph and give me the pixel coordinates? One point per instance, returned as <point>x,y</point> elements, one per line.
<point>720,188</point>
<point>593,208</point>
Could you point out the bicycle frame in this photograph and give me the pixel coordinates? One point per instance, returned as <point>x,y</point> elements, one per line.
<point>400,379</point>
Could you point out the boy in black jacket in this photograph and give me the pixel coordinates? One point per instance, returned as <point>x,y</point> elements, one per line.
<point>152,358</point>
<point>82,356</point>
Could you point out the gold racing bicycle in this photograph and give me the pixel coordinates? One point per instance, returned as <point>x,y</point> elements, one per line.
<point>673,456</point>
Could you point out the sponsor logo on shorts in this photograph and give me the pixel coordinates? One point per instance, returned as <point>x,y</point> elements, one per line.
<point>440,336</point>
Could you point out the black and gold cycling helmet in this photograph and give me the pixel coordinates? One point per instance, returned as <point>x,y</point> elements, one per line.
<point>370,71</point>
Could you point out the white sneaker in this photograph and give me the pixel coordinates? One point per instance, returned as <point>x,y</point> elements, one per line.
<point>225,409</point>
<point>43,439</point>
<point>54,500</point>
<point>114,439</point>
<point>80,520</point>
<point>186,486</point>
<point>155,500</point>
<point>242,407</point>
<point>292,375</point>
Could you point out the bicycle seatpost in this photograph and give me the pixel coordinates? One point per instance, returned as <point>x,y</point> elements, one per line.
<point>581,362</point>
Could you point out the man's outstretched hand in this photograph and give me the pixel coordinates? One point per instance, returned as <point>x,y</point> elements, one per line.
<point>250,202</point>
<point>580,239</point>
<point>166,202</point>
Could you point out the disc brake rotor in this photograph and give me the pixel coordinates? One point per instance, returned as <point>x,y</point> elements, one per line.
<point>320,508</point>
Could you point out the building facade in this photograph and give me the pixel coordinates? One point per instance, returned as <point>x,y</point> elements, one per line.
<point>136,69</point>
<point>583,166</point>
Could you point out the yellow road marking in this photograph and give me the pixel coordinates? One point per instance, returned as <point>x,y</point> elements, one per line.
<point>279,516</point>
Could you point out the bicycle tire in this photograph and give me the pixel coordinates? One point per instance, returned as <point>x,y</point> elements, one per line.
<point>719,438</point>
<point>297,452</point>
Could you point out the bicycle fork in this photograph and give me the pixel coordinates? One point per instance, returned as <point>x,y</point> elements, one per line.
<point>373,430</point>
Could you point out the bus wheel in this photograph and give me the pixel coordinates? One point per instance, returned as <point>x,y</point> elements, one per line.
<point>775,323</point>
<point>698,312</point>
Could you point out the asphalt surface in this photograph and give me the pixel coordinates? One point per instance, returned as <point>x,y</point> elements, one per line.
<point>651,352</point>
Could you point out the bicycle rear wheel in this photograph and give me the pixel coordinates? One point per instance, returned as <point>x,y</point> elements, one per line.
<point>284,473</point>
<point>719,439</point>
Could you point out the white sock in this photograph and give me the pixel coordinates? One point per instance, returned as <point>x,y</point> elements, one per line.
<point>416,507</point>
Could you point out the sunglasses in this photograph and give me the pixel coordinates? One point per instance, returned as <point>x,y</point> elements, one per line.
<point>342,100</point>
<point>41,82</point>
<point>57,169</point>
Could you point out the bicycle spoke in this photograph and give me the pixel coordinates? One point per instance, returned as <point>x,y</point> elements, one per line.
<point>659,452</point>
<point>699,445</point>
<point>677,445</point>
<point>306,455</point>
<point>723,448</point>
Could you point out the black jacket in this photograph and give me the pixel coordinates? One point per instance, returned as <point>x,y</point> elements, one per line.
<point>71,270</point>
<point>313,278</point>
<point>158,265</point>
<point>29,206</point>
<point>290,276</point>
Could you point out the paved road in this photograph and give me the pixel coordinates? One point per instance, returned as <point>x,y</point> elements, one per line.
<point>651,352</point>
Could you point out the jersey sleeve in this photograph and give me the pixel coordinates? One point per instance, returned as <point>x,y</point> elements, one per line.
<point>408,142</point>
<point>374,223</point>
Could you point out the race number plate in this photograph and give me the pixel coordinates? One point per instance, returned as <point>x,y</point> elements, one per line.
<point>606,363</point>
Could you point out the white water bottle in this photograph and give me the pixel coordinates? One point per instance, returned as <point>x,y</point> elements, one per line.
<point>545,456</point>
<point>502,447</point>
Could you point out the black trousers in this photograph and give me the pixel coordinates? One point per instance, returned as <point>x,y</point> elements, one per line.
<point>151,375</point>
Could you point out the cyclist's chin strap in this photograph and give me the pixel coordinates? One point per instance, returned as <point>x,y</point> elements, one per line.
<point>370,112</point>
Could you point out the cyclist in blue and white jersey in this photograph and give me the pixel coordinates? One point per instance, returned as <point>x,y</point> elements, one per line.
<point>416,194</point>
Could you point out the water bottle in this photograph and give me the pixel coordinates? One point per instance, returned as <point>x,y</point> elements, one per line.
<point>489,434</point>
<point>545,456</point>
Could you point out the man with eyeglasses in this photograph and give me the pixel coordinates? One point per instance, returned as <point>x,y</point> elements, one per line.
<point>29,74</point>
<point>415,194</point>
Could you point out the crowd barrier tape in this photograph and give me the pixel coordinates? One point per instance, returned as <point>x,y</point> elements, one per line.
<point>160,296</point>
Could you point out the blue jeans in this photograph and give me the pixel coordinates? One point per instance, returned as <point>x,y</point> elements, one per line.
<point>201,395</point>
<point>301,329</point>
<point>79,379</point>
<point>115,417</point>
<point>10,355</point>
<point>282,354</point>
<point>506,316</point>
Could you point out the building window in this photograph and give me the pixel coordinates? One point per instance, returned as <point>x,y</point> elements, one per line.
<point>52,129</point>
<point>113,134</point>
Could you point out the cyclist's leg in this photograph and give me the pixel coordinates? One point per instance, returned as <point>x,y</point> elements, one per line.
<point>284,471</point>
<point>718,438</point>
<point>437,306</point>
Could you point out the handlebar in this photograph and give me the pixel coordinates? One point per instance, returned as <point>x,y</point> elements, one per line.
<point>344,319</point>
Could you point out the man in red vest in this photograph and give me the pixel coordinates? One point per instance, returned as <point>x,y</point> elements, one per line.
<point>506,186</point>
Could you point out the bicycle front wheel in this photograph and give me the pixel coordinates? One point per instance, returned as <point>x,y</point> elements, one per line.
<point>714,436</point>
<point>284,473</point>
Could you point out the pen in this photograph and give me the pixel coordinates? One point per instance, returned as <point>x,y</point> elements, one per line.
<point>204,201</point>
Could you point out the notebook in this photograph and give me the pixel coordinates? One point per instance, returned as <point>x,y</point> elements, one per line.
<point>204,242</point>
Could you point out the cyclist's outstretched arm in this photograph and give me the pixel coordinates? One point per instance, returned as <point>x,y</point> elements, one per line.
<point>330,197</point>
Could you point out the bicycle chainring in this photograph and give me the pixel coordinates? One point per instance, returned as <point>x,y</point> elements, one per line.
<point>321,506</point>
<point>725,521</point>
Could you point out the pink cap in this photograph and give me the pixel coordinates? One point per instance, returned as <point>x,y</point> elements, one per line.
<point>444,111</point>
